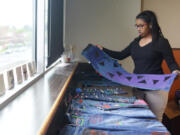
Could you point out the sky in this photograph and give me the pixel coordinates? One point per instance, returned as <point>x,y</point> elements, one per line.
<point>16,12</point>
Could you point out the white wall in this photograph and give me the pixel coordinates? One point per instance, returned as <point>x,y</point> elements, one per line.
<point>106,22</point>
<point>168,13</point>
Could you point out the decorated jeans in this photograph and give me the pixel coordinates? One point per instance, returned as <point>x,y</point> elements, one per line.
<point>73,130</point>
<point>111,69</point>
<point>97,107</point>
<point>115,122</point>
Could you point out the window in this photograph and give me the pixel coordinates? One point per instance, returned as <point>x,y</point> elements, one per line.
<point>17,44</point>
<point>16,32</point>
<point>30,30</point>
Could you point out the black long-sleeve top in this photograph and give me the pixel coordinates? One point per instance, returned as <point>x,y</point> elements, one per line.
<point>147,59</point>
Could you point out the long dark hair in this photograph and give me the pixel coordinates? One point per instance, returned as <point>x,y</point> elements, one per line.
<point>150,18</point>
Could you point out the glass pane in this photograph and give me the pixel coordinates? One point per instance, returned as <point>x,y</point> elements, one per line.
<point>16,32</point>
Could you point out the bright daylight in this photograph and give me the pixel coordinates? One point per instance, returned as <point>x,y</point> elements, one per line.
<point>16,32</point>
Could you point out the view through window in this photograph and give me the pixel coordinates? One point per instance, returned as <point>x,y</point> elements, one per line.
<point>16,32</point>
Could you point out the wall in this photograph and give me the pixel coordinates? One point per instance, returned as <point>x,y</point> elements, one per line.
<point>106,22</point>
<point>169,18</point>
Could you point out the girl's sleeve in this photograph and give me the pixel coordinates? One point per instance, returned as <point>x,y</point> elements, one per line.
<point>119,54</point>
<point>167,53</point>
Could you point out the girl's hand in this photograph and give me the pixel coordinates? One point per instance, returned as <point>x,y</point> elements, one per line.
<point>99,46</point>
<point>176,72</point>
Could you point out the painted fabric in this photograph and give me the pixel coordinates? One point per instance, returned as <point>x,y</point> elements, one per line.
<point>93,79</point>
<point>115,122</point>
<point>106,91</point>
<point>107,98</point>
<point>90,107</point>
<point>103,105</point>
<point>88,131</point>
<point>108,95</point>
<point>111,69</point>
<point>97,83</point>
<point>73,130</point>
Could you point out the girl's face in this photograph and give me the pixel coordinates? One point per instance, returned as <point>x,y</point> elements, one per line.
<point>142,27</point>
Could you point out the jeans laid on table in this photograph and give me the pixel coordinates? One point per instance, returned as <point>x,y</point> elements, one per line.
<point>87,107</point>
<point>110,105</point>
<point>72,130</point>
<point>107,98</point>
<point>89,131</point>
<point>115,122</point>
<point>105,91</point>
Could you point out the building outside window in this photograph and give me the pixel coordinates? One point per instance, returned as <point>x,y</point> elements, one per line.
<point>16,32</point>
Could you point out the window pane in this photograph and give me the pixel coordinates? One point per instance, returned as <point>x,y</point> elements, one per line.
<point>16,32</point>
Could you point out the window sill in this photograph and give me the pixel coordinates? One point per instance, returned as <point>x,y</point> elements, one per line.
<point>11,94</point>
<point>32,111</point>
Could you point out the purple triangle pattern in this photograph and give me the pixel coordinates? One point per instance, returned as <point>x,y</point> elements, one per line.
<point>111,69</point>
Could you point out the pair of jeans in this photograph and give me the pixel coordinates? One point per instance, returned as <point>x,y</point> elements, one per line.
<point>106,91</point>
<point>103,105</point>
<point>115,122</point>
<point>98,83</point>
<point>110,69</point>
<point>93,107</point>
<point>103,97</point>
<point>72,130</point>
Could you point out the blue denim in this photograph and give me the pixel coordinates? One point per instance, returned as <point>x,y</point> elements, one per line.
<point>107,91</point>
<point>93,107</point>
<point>115,122</point>
<point>88,131</point>
<point>72,130</point>
<point>99,83</point>
<point>107,98</point>
<point>93,79</point>
<point>103,105</point>
<point>110,69</point>
<point>128,112</point>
